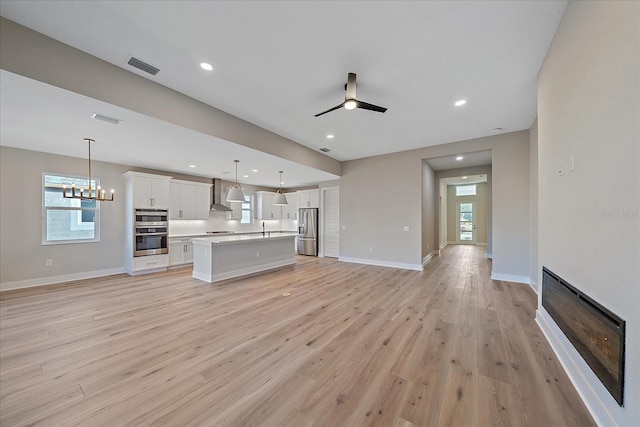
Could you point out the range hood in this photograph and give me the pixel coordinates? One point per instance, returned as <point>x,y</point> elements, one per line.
<point>217,205</point>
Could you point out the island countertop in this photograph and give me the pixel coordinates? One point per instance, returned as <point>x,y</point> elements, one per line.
<point>223,257</point>
<point>228,239</point>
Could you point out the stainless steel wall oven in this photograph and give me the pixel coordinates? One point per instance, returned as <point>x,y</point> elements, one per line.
<point>151,232</point>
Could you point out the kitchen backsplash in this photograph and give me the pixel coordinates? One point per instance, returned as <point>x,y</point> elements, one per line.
<point>218,222</point>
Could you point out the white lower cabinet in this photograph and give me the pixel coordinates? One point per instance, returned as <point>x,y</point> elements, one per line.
<point>180,251</point>
<point>150,262</point>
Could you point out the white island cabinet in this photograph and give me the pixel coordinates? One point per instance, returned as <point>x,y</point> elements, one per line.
<point>224,257</point>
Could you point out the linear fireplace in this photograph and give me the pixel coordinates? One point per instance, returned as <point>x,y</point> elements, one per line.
<point>595,332</point>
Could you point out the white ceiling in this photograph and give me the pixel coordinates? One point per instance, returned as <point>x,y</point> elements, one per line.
<point>278,63</point>
<point>37,116</point>
<point>464,179</point>
<point>480,158</point>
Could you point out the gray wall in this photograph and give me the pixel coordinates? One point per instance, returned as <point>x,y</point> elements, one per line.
<point>589,219</point>
<point>379,195</point>
<point>23,255</point>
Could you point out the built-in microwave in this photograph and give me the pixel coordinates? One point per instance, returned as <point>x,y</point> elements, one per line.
<point>151,217</point>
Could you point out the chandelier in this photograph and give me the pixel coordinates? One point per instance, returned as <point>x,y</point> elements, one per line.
<point>90,193</point>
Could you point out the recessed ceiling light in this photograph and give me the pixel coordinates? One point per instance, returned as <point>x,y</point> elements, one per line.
<point>464,177</point>
<point>192,166</point>
<point>281,182</point>
<point>459,158</point>
<point>460,102</point>
<point>205,66</point>
<point>245,176</point>
<point>330,136</point>
<point>254,170</point>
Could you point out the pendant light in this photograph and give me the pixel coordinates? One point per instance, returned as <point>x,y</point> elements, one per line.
<point>281,199</point>
<point>89,195</point>
<point>235,192</point>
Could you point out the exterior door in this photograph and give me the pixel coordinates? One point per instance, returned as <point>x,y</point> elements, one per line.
<point>466,223</point>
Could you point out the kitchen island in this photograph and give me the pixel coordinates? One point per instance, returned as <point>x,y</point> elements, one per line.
<point>224,257</point>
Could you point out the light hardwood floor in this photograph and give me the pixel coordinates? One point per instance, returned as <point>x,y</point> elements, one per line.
<point>351,345</point>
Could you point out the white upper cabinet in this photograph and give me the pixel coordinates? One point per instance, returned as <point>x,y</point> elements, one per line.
<point>189,200</point>
<point>291,210</point>
<point>264,206</point>
<point>148,190</point>
<point>309,198</point>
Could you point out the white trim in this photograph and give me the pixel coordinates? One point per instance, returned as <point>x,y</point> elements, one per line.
<point>427,258</point>
<point>509,277</point>
<point>442,245</point>
<point>401,265</point>
<point>576,368</point>
<point>42,281</point>
<point>211,278</point>
<point>534,286</point>
<point>489,255</point>
<point>481,244</point>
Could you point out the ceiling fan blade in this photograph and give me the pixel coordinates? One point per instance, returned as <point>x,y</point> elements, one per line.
<point>367,106</point>
<point>330,110</point>
<point>351,86</point>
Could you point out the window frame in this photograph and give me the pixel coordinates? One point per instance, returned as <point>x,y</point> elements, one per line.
<point>475,190</point>
<point>249,200</point>
<point>45,209</point>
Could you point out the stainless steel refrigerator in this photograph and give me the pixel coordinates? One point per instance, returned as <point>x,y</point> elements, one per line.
<point>307,231</point>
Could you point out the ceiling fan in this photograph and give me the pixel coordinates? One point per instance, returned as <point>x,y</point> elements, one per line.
<point>350,101</point>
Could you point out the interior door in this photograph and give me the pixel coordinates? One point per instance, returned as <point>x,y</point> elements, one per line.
<point>331,223</point>
<point>466,223</point>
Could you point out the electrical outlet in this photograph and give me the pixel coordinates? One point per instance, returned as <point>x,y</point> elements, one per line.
<point>48,262</point>
<point>257,254</point>
<point>370,248</point>
<point>572,163</point>
<point>406,228</point>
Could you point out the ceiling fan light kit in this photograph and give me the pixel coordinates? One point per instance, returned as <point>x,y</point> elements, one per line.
<point>350,100</point>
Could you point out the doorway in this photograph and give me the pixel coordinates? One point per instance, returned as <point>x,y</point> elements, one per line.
<point>466,226</point>
<point>330,222</point>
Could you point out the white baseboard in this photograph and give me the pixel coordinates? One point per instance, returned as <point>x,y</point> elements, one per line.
<point>212,278</point>
<point>534,286</point>
<point>42,281</point>
<point>442,245</point>
<point>576,367</point>
<point>509,277</point>
<point>427,258</point>
<point>401,265</point>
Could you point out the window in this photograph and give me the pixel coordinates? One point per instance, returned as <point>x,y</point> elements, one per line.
<point>466,190</point>
<point>68,220</point>
<point>246,211</point>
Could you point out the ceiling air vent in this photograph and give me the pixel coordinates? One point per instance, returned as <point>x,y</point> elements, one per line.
<point>107,119</point>
<point>325,150</point>
<point>140,65</point>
